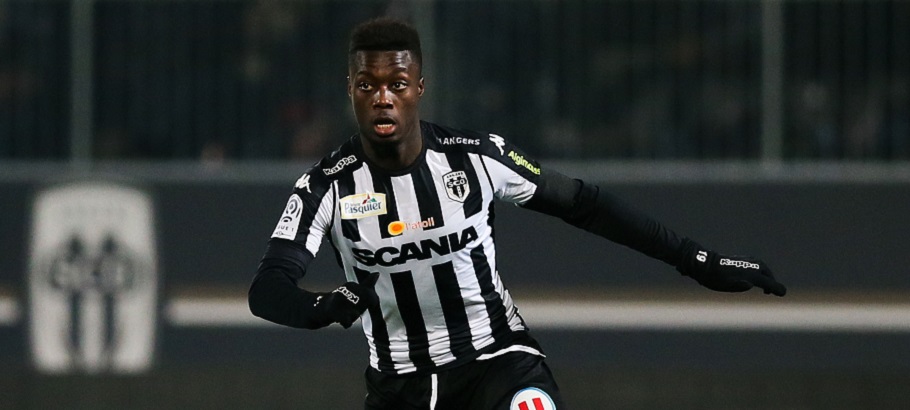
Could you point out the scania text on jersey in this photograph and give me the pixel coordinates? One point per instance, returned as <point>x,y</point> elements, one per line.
<point>739,264</point>
<point>392,256</point>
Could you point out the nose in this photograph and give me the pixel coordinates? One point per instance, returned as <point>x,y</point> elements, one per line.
<point>383,98</point>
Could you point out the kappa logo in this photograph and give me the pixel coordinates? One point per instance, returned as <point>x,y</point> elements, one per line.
<point>359,206</point>
<point>500,143</point>
<point>290,219</point>
<point>348,160</point>
<point>348,294</point>
<point>303,182</point>
<point>532,398</point>
<point>739,264</point>
<point>457,186</point>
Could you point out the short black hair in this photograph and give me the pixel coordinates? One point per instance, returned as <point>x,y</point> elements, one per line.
<point>385,34</point>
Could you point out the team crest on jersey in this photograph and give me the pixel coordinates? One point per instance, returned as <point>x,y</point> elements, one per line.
<point>359,206</point>
<point>457,187</point>
<point>532,398</point>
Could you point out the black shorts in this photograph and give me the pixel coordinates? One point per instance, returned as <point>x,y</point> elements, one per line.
<point>514,380</point>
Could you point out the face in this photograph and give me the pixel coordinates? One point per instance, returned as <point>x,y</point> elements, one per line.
<point>385,87</point>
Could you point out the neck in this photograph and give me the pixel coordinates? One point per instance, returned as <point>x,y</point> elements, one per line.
<point>394,156</point>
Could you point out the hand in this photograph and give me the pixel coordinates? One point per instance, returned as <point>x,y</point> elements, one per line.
<point>346,303</point>
<point>727,273</point>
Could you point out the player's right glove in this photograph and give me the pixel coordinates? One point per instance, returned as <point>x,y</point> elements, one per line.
<point>727,273</point>
<point>347,302</point>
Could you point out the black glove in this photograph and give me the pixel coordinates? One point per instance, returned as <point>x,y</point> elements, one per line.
<point>346,303</point>
<point>727,273</point>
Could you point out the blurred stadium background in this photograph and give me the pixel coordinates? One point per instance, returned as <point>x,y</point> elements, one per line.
<point>147,148</point>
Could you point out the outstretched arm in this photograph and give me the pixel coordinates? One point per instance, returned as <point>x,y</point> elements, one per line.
<point>588,207</point>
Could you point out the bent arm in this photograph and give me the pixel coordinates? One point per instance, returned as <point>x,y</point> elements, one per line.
<point>588,207</point>
<point>274,295</point>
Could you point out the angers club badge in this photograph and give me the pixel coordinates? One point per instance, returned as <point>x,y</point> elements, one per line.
<point>457,187</point>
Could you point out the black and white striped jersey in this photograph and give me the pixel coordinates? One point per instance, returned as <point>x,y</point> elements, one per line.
<point>428,231</point>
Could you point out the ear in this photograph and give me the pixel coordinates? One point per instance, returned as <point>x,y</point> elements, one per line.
<point>420,87</point>
<point>350,88</point>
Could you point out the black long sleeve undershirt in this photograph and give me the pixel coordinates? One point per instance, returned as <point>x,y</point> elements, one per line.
<point>274,295</point>
<point>588,207</point>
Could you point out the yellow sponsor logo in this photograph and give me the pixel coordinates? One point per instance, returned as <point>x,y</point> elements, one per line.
<point>522,162</point>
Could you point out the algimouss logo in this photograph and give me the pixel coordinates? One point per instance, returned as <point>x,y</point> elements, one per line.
<point>92,282</point>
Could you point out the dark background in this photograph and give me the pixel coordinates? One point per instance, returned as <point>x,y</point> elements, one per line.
<point>827,241</point>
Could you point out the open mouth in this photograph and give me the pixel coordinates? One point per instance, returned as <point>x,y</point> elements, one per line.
<point>384,126</point>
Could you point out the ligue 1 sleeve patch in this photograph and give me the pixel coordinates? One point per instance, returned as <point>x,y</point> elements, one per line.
<point>290,219</point>
<point>532,398</point>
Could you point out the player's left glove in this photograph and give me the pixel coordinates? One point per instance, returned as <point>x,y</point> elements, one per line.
<point>727,273</point>
<point>345,304</point>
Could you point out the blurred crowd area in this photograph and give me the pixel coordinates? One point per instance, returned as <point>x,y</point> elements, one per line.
<point>265,79</point>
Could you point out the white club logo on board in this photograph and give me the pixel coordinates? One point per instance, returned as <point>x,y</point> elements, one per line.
<point>93,280</point>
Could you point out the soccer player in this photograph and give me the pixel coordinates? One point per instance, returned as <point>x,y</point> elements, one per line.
<point>408,208</point>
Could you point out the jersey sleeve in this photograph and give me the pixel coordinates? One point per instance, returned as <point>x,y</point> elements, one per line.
<point>274,294</point>
<point>308,213</point>
<point>513,174</point>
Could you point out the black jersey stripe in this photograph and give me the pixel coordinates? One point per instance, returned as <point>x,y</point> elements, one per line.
<point>346,187</point>
<point>491,211</point>
<point>380,330</point>
<point>491,216</point>
<point>493,300</point>
<point>461,162</point>
<point>382,184</point>
<point>425,191</point>
<point>409,307</point>
<point>460,341</point>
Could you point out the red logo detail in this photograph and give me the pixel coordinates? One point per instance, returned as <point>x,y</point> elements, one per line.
<point>538,404</point>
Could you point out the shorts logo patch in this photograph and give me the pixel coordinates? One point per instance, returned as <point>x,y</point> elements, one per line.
<point>457,187</point>
<point>290,219</point>
<point>532,398</point>
<point>359,206</point>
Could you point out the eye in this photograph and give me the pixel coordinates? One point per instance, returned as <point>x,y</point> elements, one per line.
<point>364,86</point>
<point>399,85</point>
